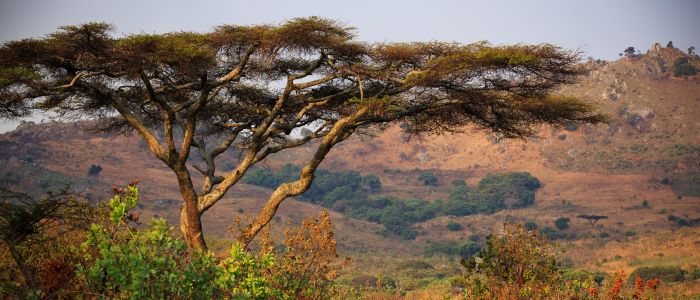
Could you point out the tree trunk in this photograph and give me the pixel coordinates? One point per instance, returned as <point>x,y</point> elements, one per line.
<point>338,133</point>
<point>190,218</point>
<point>28,277</point>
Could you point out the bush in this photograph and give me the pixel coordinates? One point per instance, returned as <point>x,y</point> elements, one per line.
<point>372,183</point>
<point>428,178</point>
<point>530,225</point>
<point>562,223</point>
<point>458,182</point>
<point>683,222</point>
<point>122,262</point>
<point>583,275</point>
<point>682,67</point>
<point>452,226</point>
<point>665,274</point>
<point>94,170</point>
<point>506,263</point>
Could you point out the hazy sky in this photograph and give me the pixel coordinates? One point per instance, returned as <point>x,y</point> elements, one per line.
<point>600,28</point>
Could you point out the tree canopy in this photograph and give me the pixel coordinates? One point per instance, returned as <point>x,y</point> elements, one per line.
<point>253,87</point>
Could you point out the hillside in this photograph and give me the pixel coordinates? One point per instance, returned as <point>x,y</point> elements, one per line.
<point>649,152</point>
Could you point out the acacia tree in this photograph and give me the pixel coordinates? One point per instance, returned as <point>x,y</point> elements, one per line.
<point>251,87</point>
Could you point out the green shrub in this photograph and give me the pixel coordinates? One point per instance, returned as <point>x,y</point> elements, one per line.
<point>492,194</point>
<point>458,182</point>
<point>583,275</point>
<point>428,178</point>
<point>122,262</point>
<point>694,274</point>
<point>530,225</point>
<point>372,183</point>
<point>505,262</point>
<point>683,222</point>
<point>562,223</point>
<point>682,67</point>
<point>452,226</point>
<point>665,274</point>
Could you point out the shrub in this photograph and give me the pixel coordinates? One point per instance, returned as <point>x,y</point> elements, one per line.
<point>458,182</point>
<point>683,222</point>
<point>582,275</point>
<point>452,226</point>
<point>307,264</point>
<point>94,170</point>
<point>506,263</point>
<point>562,223</point>
<point>682,67</point>
<point>122,262</point>
<point>372,183</point>
<point>530,225</point>
<point>428,178</point>
<point>665,274</point>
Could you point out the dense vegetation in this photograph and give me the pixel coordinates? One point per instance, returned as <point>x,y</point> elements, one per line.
<point>108,255</point>
<point>357,196</point>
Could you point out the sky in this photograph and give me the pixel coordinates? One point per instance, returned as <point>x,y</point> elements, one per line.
<point>599,28</point>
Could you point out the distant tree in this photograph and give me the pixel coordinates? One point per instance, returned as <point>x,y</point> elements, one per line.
<point>562,223</point>
<point>630,52</point>
<point>691,51</point>
<point>682,67</point>
<point>670,44</point>
<point>94,170</point>
<point>373,183</point>
<point>428,178</point>
<point>250,87</point>
<point>592,218</point>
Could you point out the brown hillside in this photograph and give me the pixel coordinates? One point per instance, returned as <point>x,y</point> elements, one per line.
<point>653,133</point>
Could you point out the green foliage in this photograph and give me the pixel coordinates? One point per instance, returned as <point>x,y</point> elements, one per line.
<point>347,192</point>
<point>122,262</point>
<point>372,183</point>
<point>458,182</point>
<point>428,178</point>
<point>504,257</point>
<point>562,223</point>
<point>452,226</point>
<point>665,274</point>
<point>530,225</point>
<point>493,193</point>
<point>94,170</point>
<point>122,204</point>
<point>682,67</point>
<point>683,222</point>
<point>452,248</point>
<point>504,262</point>
<point>583,275</point>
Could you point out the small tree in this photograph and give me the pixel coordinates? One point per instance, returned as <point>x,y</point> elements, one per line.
<point>691,51</point>
<point>251,87</point>
<point>428,178</point>
<point>670,44</point>
<point>452,226</point>
<point>682,67</point>
<point>630,52</point>
<point>592,219</point>
<point>506,263</point>
<point>562,223</point>
<point>94,170</point>
<point>372,183</point>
